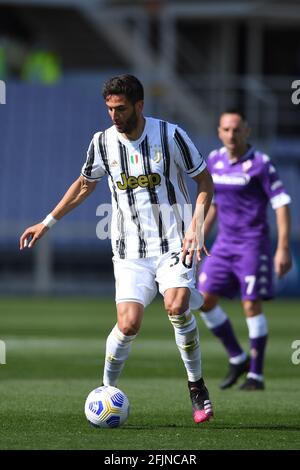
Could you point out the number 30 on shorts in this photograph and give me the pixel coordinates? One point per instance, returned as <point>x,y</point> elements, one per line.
<point>175,257</point>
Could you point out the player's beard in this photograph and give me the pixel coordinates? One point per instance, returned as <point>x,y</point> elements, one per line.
<point>130,125</point>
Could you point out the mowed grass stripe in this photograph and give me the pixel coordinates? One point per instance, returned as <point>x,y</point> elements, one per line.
<point>52,417</point>
<point>55,353</point>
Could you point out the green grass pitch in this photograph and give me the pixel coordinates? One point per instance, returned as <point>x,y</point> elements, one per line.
<point>54,358</point>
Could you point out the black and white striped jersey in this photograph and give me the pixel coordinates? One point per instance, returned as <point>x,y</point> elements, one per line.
<point>151,208</point>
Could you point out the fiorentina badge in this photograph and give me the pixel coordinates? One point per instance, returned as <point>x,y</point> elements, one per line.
<point>247,165</point>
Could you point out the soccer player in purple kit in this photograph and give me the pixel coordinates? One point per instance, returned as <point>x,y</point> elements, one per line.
<point>241,260</point>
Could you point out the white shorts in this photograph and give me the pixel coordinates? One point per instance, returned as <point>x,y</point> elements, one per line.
<point>136,278</point>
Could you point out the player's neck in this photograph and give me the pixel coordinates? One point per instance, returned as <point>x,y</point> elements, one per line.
<point>138,131</point>
<point>238,153</point>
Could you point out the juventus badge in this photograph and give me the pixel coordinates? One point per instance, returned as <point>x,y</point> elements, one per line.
<point>157,154</point>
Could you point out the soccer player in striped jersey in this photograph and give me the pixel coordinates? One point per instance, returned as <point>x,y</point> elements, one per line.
<point>155,235</point>
<point>241,260</point>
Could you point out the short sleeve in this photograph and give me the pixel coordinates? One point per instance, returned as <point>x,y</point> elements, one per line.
<point>273,186</point>
<point>187,156</point>
<point>93,168</point>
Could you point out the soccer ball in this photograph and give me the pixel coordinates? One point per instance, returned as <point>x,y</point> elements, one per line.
<point>106,407</point>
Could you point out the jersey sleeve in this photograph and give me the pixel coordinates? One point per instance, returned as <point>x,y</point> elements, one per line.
<point>93,168</point>
<point>187,156</point>
<point>273,186</point>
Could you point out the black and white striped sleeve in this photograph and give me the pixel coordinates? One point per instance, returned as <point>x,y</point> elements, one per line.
<point>93,168</point>
<point>186,154</point>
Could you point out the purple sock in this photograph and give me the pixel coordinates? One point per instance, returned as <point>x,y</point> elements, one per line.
<point>257,353</point>
<point>226,334</point>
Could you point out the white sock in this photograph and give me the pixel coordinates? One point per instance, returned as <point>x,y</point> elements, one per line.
<point>187,340</point>
<point>118,347</point>
<point>259,377</point>
<point>238,359</point>
<point>257,326</point>
<point>215,317</point>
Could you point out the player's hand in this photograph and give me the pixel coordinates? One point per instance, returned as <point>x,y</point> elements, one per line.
<point>190,245</point>
<point>31,235</point>
<point>282,261</point>
<point>199,252</point>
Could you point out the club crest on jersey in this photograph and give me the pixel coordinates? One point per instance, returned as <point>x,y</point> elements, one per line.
<point>144,181</point>
<point>157,154</point>
<point>219,165</point>
<point>247,165</point>
<point>114,163</point>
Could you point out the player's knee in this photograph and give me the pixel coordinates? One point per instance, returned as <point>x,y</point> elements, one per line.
<point>177,301</point>
<point>210,302</point>
<point>176,306</point>
<point>174,309</point>
<point>129,328</point>
<point>129,324</point>
<point>252,307</point>
<point>129,318</point>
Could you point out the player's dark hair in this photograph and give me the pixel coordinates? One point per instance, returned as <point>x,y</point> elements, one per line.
<point>127,85</point>
<point>234,111</point>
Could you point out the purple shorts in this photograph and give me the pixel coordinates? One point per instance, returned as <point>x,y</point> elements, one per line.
<point>244,269</point>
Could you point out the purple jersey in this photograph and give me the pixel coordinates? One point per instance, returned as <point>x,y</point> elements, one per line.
<point>243,190</point>
<point>241,259</point>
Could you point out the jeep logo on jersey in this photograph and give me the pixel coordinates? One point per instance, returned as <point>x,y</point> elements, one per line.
<point>144,181</point>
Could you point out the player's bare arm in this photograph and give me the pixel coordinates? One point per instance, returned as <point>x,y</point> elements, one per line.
<point>75,195</point>
<point>210,219</point>
<point>192,241</point>
<point>282,258</point>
